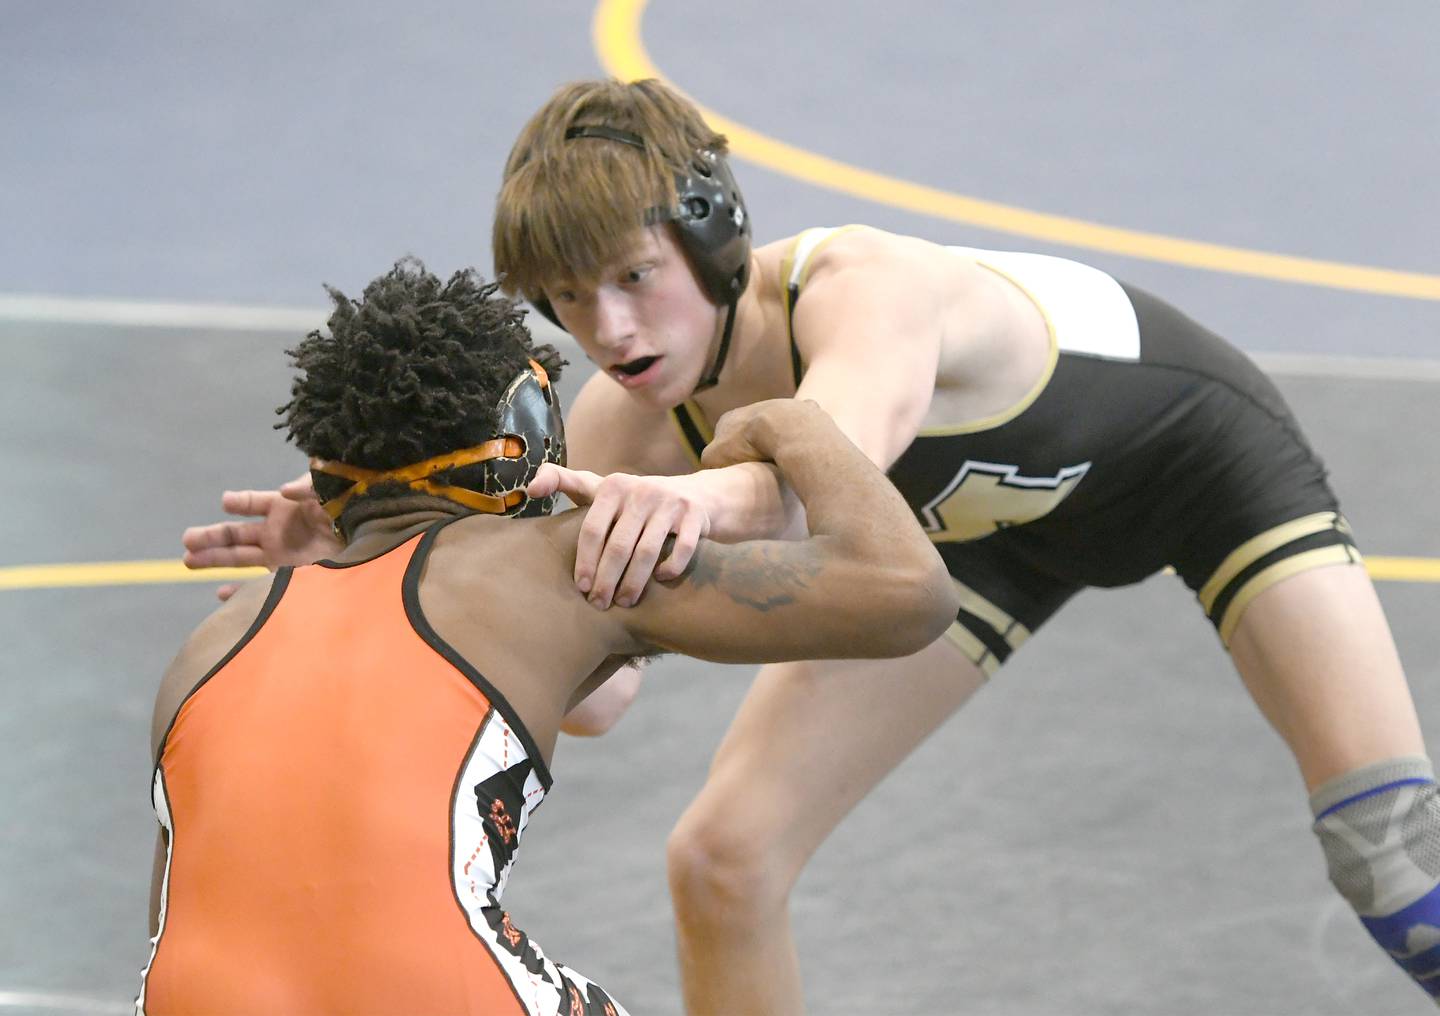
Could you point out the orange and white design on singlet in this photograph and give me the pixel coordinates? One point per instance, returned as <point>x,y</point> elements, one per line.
<point>344,796</point>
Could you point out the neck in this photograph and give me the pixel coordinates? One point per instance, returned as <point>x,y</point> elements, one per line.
<point>750,370</point>
<point>375,536</point>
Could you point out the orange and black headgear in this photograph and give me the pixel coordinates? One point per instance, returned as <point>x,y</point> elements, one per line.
<point>489,477</point>
<point>429,388</point>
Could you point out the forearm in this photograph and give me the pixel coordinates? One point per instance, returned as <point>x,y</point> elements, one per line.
<point>598,711</point>
<point>833,481</point>
<point>749,501</point>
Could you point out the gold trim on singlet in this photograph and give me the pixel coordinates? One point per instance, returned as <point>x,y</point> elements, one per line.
<point>689,411</point>
<point>1012,631</point>
<point>790,286</point>
<point>975,651</point>
<point>1242,591</point>
<point>695,416</point>
<point>787,263</point>
<point>1006,415</point>
<point>1257,547</point>
<point>1283,569</point>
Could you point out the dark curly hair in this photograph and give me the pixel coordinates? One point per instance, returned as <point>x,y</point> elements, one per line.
<point>411,370</point>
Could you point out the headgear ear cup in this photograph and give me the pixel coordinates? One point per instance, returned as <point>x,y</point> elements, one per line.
<point>529,410</point>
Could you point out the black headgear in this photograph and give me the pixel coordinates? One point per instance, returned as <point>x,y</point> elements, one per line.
<point>489,477</point>
<point>712,225</point>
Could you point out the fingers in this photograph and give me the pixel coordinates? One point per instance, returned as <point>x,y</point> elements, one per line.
<point>624,534</point>
<point>693,526</point>
<point>226,557</point>
<point>223,545</point>
<point>579,485</point>
<point>218,534</point>
<point>591,541</point>
<point>299,489</point>
<point>728,448</point>
<point>248,502</point>
<point>611,560</point>
<point>546,482</point>
<point>642,561</point>
<point>226,591</point>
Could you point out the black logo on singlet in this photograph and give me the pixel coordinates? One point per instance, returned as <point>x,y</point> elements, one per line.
<point>591,1002</point>
<point>500,800</point>
<point>513,940</point>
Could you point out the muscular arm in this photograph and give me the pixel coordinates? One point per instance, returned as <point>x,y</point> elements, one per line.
<point>870,327</point>
<point>608,433</point>
<point>865,582</point>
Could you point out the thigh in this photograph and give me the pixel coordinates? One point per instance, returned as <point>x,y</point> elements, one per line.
<point>812,738</point>
<point>1316,654</point>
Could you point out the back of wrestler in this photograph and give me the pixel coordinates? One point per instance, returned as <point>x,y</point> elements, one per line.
<point>312,785</point>
<point>348,755</point>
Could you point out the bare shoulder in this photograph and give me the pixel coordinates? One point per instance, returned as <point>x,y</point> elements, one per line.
<point>885,255</point>
<point>496,574</point>
<point>606,431</point>
<point>489,549</point>
<point>858,246</point>
<point>864,285</point>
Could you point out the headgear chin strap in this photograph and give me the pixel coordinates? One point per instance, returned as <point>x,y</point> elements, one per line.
<point>489,477</point>
<point>712,226</point>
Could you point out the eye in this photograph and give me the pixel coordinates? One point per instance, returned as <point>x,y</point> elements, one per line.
<point>563,296</point>
<point>636,273</point>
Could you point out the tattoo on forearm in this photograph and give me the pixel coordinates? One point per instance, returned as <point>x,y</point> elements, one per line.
<point>761,576</point>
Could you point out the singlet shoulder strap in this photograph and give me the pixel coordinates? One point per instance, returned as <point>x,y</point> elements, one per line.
<point>410,595</point>
<point>694,430</point>
<point>278,585</point>
<point>794,270</point>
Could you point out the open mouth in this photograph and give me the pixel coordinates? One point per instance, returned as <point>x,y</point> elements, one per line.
<point>637,366</point>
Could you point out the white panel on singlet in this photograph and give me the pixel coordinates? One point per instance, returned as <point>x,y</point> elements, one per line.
<point>804,247</point>
<point>1088,310</point>
<point>477,884</point>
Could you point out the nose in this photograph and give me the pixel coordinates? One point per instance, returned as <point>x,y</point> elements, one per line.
<point>614,322</point>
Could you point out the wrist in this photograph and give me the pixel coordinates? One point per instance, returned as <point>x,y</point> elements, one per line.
<point>784,423</point>
<point>744,501</point>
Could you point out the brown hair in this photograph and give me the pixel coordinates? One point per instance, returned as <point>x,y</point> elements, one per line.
<point>568,207</point>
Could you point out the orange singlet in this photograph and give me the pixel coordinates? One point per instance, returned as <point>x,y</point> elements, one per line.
<point>344,796</point>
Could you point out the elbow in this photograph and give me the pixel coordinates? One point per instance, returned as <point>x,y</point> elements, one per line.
<point>602,708</point>
<point>921,602</point>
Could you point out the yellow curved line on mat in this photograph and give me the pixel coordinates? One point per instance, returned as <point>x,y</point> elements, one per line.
<point>618,44</point>
<point>138,573</point>
<point>115,573</point>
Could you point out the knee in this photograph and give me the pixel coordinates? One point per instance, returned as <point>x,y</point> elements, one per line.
<point>724,866</point>
<point>1380,829</point>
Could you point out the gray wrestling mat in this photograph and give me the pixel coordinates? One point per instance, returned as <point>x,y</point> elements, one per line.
<point>1109,828</point>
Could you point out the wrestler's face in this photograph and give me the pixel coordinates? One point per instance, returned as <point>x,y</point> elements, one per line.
<point>646,321</point>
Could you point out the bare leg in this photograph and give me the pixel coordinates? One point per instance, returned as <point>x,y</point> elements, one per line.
<point>1316,654</point>
<point>808,743</point>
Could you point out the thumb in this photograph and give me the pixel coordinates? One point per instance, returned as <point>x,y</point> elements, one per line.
<point>576,484</point>
<point>299,489</point>
<point>728,449</point>
<point>546,482</point>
